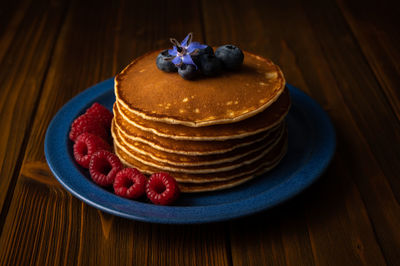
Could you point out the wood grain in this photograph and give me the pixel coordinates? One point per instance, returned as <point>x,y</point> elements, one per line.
<point>371,163</point>
<point>62,230</point>
<point>376,28</point>
<point>344,54</point>
<point>360,91</point>
<point>310,70</point>
<point>26,41</point>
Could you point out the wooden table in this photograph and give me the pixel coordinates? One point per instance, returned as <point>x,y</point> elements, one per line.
<point>342,53</point>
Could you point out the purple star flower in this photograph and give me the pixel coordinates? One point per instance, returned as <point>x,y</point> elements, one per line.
<point>183,51</point>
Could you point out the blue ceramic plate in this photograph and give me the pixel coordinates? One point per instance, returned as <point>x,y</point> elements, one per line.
<point>311,147</point>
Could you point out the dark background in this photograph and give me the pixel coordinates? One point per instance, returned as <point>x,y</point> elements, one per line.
<point>344,54</point>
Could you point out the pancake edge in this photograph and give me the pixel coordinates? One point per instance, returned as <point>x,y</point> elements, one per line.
<point>196,138</point>
<point>190,164</point>
<point>198,123</point>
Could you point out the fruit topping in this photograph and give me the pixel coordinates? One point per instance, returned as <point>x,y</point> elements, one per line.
<point>102,114</point>
<point>187,71</point>
<point>196,58</point>
<point>103,167</point>
<point>91,150</point>
<point>188,56</point>
<point>130,183</point>
<point>230,55</point>
<point>164,63</point>
<point>210,65</point>
<point>183,52</point>
<point>87,123</point>
<point>162,189</point>
<point>207,50</point>
<point>87,144</point>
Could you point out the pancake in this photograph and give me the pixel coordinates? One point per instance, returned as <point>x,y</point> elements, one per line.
<point>187,147</point>
<point>256,124</point>
<point>198,164</point>
<point>192,160</point>
<point>219,185</point>
<point>210,133</point>
<point>213,186</point>
<point>278,151</point>
<point>230,97</point>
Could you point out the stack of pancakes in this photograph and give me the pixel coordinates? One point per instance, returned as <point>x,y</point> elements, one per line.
<point>208,133</point>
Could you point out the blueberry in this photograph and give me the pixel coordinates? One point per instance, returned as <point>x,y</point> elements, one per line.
<point>210,65</point>
<point>187,71</point>
<point>164,63</point>
<point>207,50</point>
<point>230,55</point>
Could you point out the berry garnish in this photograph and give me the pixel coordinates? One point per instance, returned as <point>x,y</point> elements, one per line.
<point>210,65</point>
<point>196,58</point>
<point>187,57</point>
<point>207,50</point>
<point>103,167</point>
<point>187,71</point>
<point>101,114</point>
<point>164,63</point>
<point>182,52</point>
<point>87,123</point>
<point>87,144</point>
<point>162,189</point>
<point>130,183</point>
<point>230,55</point>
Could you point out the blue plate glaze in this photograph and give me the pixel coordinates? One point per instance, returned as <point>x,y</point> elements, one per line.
<point>311,147</point>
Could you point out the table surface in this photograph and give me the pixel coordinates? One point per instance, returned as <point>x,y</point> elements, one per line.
<point>344,54</point>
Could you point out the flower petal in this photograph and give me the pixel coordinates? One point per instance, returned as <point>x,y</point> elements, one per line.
<point>174,42</point>
<point>177,60</point>
<point>173,52</point>
<point>195,45</point>
<point>187,59</point>
<point>185,43</point>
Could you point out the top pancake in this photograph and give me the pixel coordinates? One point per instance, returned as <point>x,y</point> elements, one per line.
<point>229,97</point>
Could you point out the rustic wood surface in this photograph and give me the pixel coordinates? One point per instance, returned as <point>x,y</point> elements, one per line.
<point>344,54</point>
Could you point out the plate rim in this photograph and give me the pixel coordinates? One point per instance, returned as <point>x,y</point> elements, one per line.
<point>146,212</point>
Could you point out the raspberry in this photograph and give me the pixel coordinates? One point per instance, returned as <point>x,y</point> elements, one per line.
<point>87,123</point>
<point>87,144</point>
<point>162,189</point>
<point>103,167</point>
<point>102,114</point>
<point>130,183</point>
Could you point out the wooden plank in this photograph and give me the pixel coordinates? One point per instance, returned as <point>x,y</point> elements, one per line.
<point>60,229</point>
<point>11,15</point>
<point>276,237</point>
<point>282,31</point>
<point>375,190</point>
<point>360,90</point>
<point>26,43</point>
<point>376,28</point>
<point>371,137</point>
<point>339,222</point>
<point>279,237</point>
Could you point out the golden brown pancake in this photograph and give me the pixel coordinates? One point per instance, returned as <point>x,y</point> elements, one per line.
<point>230,97</point>
<point>218,185</point>
<point>256,124</point>
<point>208,133</point>
<point>277,151</point>
<point>192,160</point>
<point>200,164</point>
<point>187,147</point>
